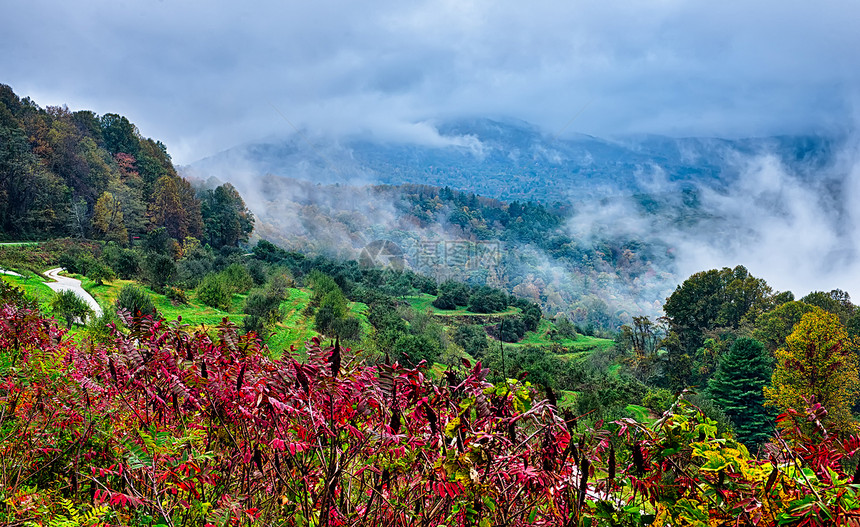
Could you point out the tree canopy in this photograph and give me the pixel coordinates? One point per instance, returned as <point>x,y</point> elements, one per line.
<point>818,360</point>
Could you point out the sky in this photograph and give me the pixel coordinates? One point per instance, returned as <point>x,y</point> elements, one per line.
<point>203,76</point>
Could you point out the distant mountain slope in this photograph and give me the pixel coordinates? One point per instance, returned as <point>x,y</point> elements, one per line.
<point>512,160</point>
<point>623,220</point>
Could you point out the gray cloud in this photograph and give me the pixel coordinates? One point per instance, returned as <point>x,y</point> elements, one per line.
<point>797,227</point>
<point>202,75</point>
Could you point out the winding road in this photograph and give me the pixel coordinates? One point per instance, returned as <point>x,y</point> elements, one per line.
<point>64,283</point>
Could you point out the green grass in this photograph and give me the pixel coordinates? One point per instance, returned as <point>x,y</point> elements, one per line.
<point>193,313</point>
<point>568,399</point>
<point>640,413</point>
<point>295,328</point>
<point>567,347</point>
<point>359,310</point>
<point>424,303</point>
<point>32,285</point>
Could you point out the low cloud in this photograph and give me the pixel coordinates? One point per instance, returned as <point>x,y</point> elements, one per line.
<point>203,76</point>
<point>796,225</point>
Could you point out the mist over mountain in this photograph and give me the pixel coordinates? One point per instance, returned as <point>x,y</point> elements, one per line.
<point>783,206</point>
<point>513,160</point>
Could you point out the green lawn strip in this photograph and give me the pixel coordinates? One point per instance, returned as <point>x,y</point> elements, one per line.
<point>192,313</point>
<point>573,346</point>
<point>295,328</point>
<point>33,285</point>
<point>424,303</point>
<point>359,310</point>
<point>568,399</point>
<point>640,413</point>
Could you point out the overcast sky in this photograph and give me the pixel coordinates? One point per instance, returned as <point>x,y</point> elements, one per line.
<point>204,75</point>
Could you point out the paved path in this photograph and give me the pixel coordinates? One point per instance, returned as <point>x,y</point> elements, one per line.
<point>10,273</point>
<point>65,283</point>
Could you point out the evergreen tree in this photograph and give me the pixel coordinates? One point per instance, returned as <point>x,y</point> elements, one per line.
<point>737,388</point>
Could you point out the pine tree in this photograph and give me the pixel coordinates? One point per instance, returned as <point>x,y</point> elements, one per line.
<point>737,387</point>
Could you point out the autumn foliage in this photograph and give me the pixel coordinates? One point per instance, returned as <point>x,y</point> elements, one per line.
<point>818,360</point>
<point>169,426</point>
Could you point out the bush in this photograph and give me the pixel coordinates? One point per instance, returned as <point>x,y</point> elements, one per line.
<point>444,301</point>
<point>100,273</point>
<point>71,307</point>
<point>512,329</point>
<point>263,307</point>
<point>213,292</point>
<point>257,270</point>
<point>565,328</point>
<point>189,273</point>
<point>658,400</point>
<point>160,269</point>
<point>76,262</point>
<point>135,300</point>
<point>347,328</point>
<point>412,349</point>
<point>237,278</point>
<point>425,284</point>
<point>176,295</point>
<point>98,329</point>
<point>488,300</point>
<point>531,316</point>
<point>126,264</point>
<point>473,339</point>
<point>457,292</point>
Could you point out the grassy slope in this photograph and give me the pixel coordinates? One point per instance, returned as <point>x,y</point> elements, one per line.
<point>574,347</point>
<point>294,330</point>
<point>193,313</point>
<point>33,285</point>
<point>424,303</point>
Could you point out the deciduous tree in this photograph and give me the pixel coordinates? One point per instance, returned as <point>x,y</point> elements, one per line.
<point>174,207</point>
<point>108,219</point>
<point>818,360</point>
<point>71,307</point>
<point>227,220</point>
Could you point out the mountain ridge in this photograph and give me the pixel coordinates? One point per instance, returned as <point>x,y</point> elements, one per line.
<point>514,160</point>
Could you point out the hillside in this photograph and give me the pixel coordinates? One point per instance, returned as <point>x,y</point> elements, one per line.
<point>598,230</point>
<point>528,249</point>
<point>78,174</point>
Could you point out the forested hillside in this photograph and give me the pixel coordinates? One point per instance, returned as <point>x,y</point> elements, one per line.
<point>513,160</point>
<point>527,248</point>
<point>78,174</point>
